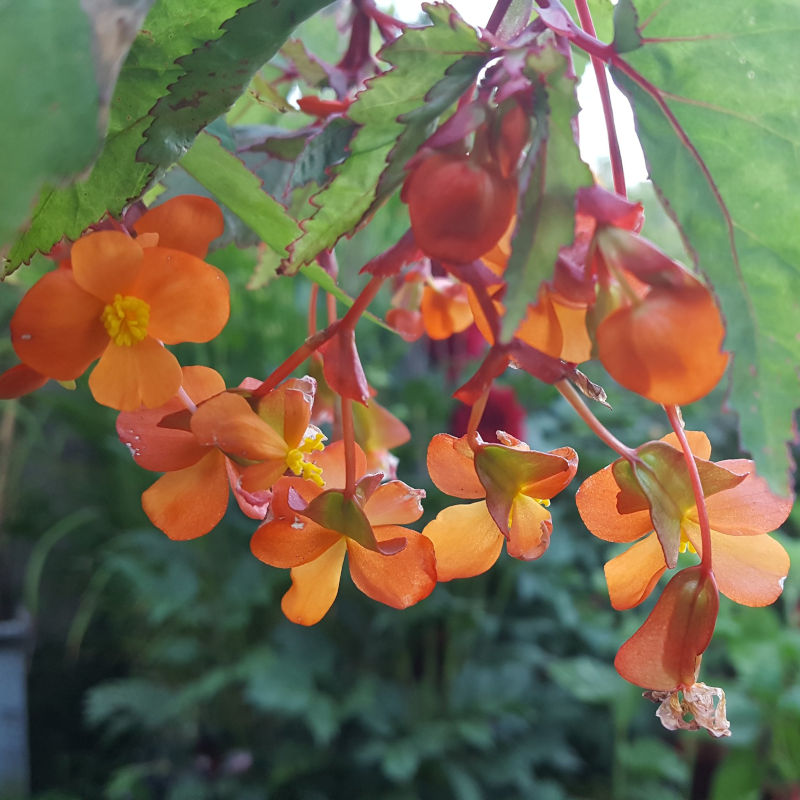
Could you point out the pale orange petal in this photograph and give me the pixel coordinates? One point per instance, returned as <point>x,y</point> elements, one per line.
<point>632,575</point>
<point>394,503</point>
<point>576,346</point>
<point>465,539</point>
<point>331,461</point>
<point>597,504</point>
<point>106,263</point>
<point>531,527</point>
<point>399,580</point>
<point>164,449</point>
<point>56,329</point>
<point>145,374</point>
<point>452,468</point>
<point>188,222</point>
<point>188,298</point>
<point>189,502</point>
<point>749,508</point>
<point>540,328</point>
<point>445,313</point>
<point>750,570</point>
<point>227,421</point>
<point>291,542</point>
<point>699,443</point>
<point>314,586</point>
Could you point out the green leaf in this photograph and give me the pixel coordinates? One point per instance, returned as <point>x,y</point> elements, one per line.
<point>229,180</point>
<point>182,97</point>
<point>626,27</point>
<point>551,175</point>
<point>50,124</point>
<point>728,69</point>
<point>395,113</point>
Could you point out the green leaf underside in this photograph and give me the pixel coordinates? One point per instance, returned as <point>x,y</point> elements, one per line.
<point>50,127</point>
<point>172,30</point>
<point>731,77</point>
<point>229,180</point>
<point>415,90</point>
<point>547,209</point>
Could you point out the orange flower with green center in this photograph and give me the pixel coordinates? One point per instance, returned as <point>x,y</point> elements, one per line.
<point>311,531</point>
<point>749,565</point>
<point>122,300</point>
<point>517,484</point>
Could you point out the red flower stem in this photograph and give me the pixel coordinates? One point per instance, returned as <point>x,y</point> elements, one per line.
<point>571,395</point>
<point>476,414</point>
<point>348,436</point>
<point>313,343</point>
<point>673,414</point>
<point>500,9</point>
<point>615,154</point>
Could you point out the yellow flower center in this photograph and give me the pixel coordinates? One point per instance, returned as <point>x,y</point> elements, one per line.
<point>296,461</point>
<point>126,320</point>
<point>541,502</point>
<point>686,545</point>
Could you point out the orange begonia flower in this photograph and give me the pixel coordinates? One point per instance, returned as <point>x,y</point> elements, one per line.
<point>123,299</point>
<point>192,497</point>
<point>388,562</point>
<point>749,565</point>
<point>516,483</point>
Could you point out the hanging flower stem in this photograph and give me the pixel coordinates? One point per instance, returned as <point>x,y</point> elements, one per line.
<point>614,151</point>
<point>673,414</point>
<point>476,414</point>
<point>571,395</point>
<point>348,436</point>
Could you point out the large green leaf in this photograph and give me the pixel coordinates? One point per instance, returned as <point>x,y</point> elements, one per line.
<point>181,96</point>
<point>50,112</point>
<point>727,72</point>
<point>432,67</point>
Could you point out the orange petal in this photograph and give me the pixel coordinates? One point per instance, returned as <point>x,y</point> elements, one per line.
<point>665,652</point>
<point>189,502</point>
<point>188,222</point>
<point>540,328</point>
<point>20,380</point>
<point>465,539</point>
<point>452,468</point>
<point>106,263</point>
<point>314,586</point>
<point>56,329</point>
<point>749,508</point>
<point>167,449</point>
<point>398,580</point>
<point>632,575</point>
<point>331,461</point>
<point>750,570</point>
<point>576,346</point>
<point>188,298</point>
<point>698,443</point>
<point>227,421</point>
<point>291,542</point>
<point>145,374</point>
<point>667,348</point>
<point>445,312</point>
<point>394,503</point>
<point>597,504</point>
<point>287,409</point>
<point>531,526</point>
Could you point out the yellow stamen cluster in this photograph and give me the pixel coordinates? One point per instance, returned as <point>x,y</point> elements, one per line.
<point>126,320</point>
<point>296,462</point>
<point>686,545</point>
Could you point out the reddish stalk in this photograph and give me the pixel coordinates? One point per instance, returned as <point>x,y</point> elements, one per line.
<point>500,9</point>
<point>476,413</point>
<point>570,394</point>
<point>348,436</point>
<point>614,152</point>
<point>697,487</point>
<point>312,309</point>
<point>313,343</point>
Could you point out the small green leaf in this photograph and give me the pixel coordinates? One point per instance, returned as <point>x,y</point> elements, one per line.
<point>224,175</point>
<point>626,27</point>
<point>552,173</point>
